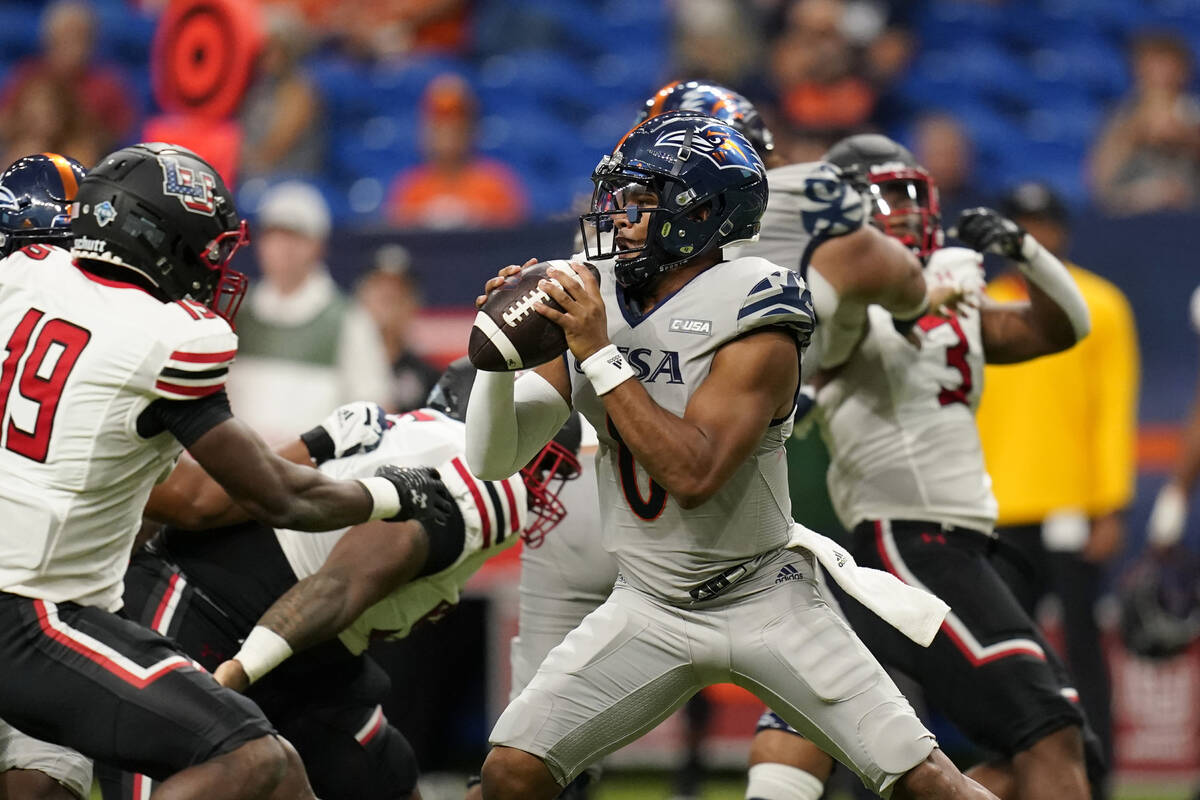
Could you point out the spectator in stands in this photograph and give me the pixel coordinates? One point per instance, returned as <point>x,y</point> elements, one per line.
<point>716,40</point>
<point>383,29</point>
<point>303,346</point>
<point>1148,156</point>
<point>941,143</point>
<point>281,133</point>
<point>821,78</point>
<point>454,188</point>
<point>1059,436</point>
<point>390,295</point>
<point>95,110</point>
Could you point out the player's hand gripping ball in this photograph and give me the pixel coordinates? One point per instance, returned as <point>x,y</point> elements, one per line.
<point>509,334</point>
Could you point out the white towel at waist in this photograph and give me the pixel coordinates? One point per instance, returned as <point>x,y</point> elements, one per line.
<point>914,612</point>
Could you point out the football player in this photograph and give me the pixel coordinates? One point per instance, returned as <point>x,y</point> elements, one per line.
<point>117,352</point>
<point>693,499</point>
<point>35,206</point>
<point>907,478</point>
<point>565,580</point>
<point>330,595</point>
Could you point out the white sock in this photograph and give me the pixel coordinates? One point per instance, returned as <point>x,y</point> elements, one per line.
<point>781,782</point>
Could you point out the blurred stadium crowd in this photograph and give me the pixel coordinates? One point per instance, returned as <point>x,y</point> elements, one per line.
<point>377,103</point>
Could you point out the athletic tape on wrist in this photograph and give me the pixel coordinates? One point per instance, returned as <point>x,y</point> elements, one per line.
<point>384,495</point>
<point>606,369</point>
<point>263,651</point>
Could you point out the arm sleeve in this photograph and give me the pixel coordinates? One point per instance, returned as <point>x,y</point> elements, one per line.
<point>187,420</point>
<point>363,368</point>
<point>1115,370</point>
<point>509,421</point>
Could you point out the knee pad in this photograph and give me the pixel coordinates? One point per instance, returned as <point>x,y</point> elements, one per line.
<point>393,762</point>
<point>895,739</point>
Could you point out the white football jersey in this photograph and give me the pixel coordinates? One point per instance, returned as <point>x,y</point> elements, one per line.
<point>810,203</point>
<point>495,513</point>
<point>662,548</point>
<point>899,418</point>
<point>84,356</point>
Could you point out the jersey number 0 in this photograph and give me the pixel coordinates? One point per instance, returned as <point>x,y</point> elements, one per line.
<point>647,508</point>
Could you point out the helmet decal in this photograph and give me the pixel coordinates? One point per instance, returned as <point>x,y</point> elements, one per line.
<point>8,200</point>
<point>193,187</point>
<point>104,213</point>
<point>712,142</point>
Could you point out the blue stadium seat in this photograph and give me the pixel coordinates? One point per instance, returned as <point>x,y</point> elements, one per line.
<point>18,31</point>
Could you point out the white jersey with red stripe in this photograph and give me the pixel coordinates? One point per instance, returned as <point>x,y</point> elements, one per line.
<point>495,513</point>
<point>83,358</point>
<point>661,547</point>
<point>899,419</point>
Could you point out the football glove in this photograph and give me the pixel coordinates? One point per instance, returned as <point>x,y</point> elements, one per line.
<point>987,231</point>
<point>353,428</point>
<point>423,496</point>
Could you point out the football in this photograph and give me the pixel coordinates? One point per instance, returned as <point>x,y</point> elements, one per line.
<point>508,334</point>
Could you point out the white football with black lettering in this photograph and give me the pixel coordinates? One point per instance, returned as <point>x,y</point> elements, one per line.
<point>508,334</point>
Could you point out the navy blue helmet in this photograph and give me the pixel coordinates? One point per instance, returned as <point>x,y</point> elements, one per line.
<point>36,193</point>
<point>710,188</point>
<point>717,101</point>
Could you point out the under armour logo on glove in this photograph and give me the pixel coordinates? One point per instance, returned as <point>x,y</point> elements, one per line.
<point>353,428</point>
<point>423,496</point>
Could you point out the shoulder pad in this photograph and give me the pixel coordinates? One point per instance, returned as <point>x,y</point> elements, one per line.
<point>779,299</point>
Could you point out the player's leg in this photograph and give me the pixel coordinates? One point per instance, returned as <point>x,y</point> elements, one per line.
<point>120,693</point>
<point>783,764</point>
<point>800,657</point>
<point>620,673</point>
<point>989,669</point>
<point>39,770</point>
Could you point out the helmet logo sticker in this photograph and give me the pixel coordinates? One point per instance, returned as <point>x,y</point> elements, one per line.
<point>715,144</point>
<point>193,187</point>
<point>104,213</point>
<point>8,200</point>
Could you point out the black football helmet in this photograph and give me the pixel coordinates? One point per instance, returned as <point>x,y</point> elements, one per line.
<point>162,212</point>
<point>544,475</point>
<point>693,163</point>
<point>1160,604</point>
<point>36,193</point>
<point>904,197</point>
<point>717,101</point>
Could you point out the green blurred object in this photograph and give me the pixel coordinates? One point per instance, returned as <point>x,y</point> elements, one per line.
<point>808,461</point>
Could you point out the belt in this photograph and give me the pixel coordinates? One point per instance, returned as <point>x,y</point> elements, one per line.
<point>716,585</point>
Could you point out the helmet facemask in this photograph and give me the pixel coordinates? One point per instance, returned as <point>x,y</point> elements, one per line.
<point>904,205</point>
<point>227,288</point>
<point>544,477</point>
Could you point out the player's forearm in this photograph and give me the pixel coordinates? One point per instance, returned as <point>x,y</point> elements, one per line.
<point>676,453</point>
<point>304,499</point>
<point>315,610</point>
<point>509,421</point>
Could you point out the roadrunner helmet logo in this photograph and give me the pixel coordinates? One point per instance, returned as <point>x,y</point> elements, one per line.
<point>716,145</point>
<point>193,187</point>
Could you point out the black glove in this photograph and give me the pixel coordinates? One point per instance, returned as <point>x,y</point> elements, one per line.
<point>423,496</point>
<point>987,231</point>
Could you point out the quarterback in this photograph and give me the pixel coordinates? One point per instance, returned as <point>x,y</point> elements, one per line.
<point>693,498</point>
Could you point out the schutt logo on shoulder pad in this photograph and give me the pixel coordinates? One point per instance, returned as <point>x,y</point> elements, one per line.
<point>702,327</point>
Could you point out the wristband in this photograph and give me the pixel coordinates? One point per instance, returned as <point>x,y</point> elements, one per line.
<point>606,369</point>
<point>319,444</point>
<point>263,651</point>
<point>385,497</point>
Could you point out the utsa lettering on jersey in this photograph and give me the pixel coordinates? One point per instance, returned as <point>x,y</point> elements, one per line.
<point>694,500</point>
<point>116,357</point>
<point>336,592</point>
<point>907,477</point>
